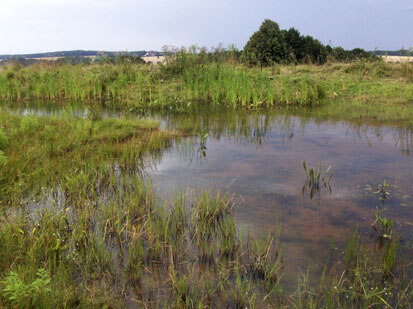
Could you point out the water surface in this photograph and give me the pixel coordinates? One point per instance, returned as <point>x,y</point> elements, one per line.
<point>261,156</point>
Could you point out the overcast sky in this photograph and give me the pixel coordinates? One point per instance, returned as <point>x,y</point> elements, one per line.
<point>51,25</point>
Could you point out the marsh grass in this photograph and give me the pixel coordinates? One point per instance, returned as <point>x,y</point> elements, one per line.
<point>368,90</point>
<point>44,149</point>
<point>105,239</point>
<point>76,207</point>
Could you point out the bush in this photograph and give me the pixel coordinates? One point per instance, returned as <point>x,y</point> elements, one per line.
<point>27,295</point>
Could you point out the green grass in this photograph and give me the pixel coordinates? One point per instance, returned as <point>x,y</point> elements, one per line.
<point>42,150</point>
<point>81,226</point>
<point>360,90</point>
<point>124,246</point>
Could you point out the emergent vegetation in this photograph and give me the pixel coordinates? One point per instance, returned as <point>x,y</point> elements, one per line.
<point>81,224</point>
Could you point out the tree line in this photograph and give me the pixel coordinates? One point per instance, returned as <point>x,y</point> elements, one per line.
<point>270,45</point>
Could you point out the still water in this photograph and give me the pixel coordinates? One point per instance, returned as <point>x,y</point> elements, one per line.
<point>259,156</point>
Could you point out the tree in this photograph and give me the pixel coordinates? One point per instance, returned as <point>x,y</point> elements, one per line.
<point>294,41</point>
<point>266,46</point>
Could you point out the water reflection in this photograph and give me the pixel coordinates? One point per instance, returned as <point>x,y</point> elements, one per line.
<point>261,153</point>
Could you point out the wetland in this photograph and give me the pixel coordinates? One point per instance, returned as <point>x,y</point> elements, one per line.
<point>195,184</point>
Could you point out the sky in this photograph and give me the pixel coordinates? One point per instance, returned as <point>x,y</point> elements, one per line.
<point>29,26</point>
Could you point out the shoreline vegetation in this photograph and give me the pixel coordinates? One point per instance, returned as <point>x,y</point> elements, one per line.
<point>81,226</point>
<point>350,91</point>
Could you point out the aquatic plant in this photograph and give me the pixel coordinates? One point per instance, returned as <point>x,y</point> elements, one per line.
<point>382,225</point>
<point>316,179</point>
<point>382,190</point>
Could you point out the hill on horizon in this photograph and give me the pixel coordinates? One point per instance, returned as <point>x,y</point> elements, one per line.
<point>79,53</point>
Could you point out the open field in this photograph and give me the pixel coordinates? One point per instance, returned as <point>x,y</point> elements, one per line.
<point>397,59</point>
<point>154,59</point>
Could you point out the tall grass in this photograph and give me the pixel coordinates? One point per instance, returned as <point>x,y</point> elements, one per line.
<point>189,80</point>
<point>43,149</point>
<point>124,246</point>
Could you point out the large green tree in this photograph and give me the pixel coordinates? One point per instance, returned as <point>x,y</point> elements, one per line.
<point>266,46</point>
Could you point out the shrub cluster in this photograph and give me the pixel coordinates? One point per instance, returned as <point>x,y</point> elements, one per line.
<point>270,45</point>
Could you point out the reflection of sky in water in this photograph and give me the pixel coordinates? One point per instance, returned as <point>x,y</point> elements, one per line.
<point>269,178</point>
<point>261,155</point>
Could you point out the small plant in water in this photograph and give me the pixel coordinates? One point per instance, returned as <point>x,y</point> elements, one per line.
<point>202,145</point>
<point>383,226</point>
<point>382,190</point>
<point>316,179</point>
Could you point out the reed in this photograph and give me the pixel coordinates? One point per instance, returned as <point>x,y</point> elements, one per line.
<point>181,85</point>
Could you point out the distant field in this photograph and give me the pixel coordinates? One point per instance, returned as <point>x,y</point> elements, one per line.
<point>392,59</point>
<point>154,59</point>
<point>55,58</point>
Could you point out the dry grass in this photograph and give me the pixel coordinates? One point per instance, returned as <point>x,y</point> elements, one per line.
<point>154,59</point>
<point>399,59</point>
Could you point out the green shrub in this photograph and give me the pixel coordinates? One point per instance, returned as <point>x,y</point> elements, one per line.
<point>27,295</point>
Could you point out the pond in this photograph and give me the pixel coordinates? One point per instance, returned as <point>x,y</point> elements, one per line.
<point>258,156</point>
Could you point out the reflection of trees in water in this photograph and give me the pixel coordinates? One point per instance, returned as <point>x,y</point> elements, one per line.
<point>254,127</point>
<point>250,127</point>
<point>404,140</point>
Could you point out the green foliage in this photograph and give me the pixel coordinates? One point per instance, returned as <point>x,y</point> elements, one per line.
<point>316,179</point>
<point>270,45</point>
<point>3,140</point>
<point>3,144</point>
<point>266,46</point>
<point>28,295</point>
<point>3,158</point>
<point>129,59</point>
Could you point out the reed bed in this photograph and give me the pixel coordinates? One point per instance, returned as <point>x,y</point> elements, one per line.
<point>122,246</point>
<point>360,89</point>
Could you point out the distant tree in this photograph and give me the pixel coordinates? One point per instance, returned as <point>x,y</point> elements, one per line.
<point>266,46</point>
<point>340,54</point>
<point>271,45</point>
<point>359,53</point>
<point>294,41</point>
<point>129,59</point>
<point>313,50</point>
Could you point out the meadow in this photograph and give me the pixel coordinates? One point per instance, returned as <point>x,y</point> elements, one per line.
<point>82,226</point>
